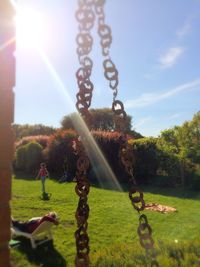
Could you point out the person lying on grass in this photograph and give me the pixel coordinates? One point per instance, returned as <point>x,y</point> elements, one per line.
<point>30,225</point>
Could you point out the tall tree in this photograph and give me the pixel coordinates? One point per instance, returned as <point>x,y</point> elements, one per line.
<point>103,119</point>
<point>183,142</point>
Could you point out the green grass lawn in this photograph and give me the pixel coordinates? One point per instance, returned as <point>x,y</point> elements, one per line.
<point>112,226</point>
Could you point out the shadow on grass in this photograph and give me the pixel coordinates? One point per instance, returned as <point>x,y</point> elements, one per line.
<point>173,192</point>
<point>107,184</point>
<point>178,192</point>
<point>24,176</point>
<point>44,255</point>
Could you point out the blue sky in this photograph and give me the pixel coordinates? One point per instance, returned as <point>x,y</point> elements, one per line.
<point>156,51</point>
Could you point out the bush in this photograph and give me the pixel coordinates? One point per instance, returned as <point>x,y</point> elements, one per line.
<point>109,144</point>
<point>33,156</point>
<point>20,158</point>
<point>28,157</point>
<point>168,167</point>
<point>59,152</point>
<point>145,153</point>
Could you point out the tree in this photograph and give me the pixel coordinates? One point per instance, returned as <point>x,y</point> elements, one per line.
<point>103,120</point>
<point>190,139</point>
<point>183,144</point>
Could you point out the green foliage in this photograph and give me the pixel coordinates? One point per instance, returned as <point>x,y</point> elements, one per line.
<point>190,139</point>
<point>168,166</point>
<point>22,130</point>
<point>183,141</point>
<point>108,142</point>
<point>28,157</point>
<point>112,226</point>
<point>103,120</point>
<point>59,152</point>
<point>146,164</point>
<point>20,158</point>
<point>174,157</point>
<point>179,150</point>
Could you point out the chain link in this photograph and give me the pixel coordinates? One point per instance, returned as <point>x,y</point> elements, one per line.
<point>85,16</point>
<point>137,199</point>
<point>82,212</point>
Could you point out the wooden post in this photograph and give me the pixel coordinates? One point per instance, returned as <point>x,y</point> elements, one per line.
<point>7,81</point>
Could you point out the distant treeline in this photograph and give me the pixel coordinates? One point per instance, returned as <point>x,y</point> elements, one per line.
<point>22,130</point>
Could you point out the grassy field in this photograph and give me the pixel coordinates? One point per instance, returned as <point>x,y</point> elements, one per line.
<point>112,226</point>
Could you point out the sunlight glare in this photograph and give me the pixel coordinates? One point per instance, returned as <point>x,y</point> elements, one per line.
<point>93,151</point>
<point>31,29</point>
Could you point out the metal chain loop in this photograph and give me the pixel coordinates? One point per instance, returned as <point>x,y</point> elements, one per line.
<point>86,17</point>
<point>110,70</point>
<point>82,212</point>
<point>111,73</point>
<point>137,201</point>
<point>144,229</point>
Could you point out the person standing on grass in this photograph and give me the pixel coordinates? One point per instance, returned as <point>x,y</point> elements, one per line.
<point>42,174</point>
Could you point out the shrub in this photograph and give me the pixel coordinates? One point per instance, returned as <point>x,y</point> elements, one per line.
<point>145,153</point>
<point>59,152</point>
<point>168,167</point>
<point>28,157</point>
<point>109,144</point>
<point>20,158</point>
<point>33,156</point>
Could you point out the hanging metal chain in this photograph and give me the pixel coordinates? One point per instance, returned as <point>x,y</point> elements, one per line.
<point>82,212</point>
<point>126,154</point>
<point>137,199</point>
<point>110,70</point>
<point>86,17</point>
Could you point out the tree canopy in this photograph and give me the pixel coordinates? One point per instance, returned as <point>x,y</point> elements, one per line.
<point>182,143</point>
<point>103,120</point>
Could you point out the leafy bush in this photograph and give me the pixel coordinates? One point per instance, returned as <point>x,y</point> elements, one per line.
<point>59,152</point>
<point>20,158</point>
<point>168,167</point>
<point>28,157</point>
<point>33,156</point>
<point>109,144</point>
<point>145,153</point>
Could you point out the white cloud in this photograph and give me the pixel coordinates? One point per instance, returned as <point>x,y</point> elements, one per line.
<point>150,98</point>
<point>174,116</point>
<point>170,57</point>
<point>184,30</point>
<point>142,121</point>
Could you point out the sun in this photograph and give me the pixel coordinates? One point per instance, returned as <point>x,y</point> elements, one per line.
<point>31,28</point>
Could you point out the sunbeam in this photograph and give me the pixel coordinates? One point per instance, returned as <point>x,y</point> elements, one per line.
<point>94,153</point>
